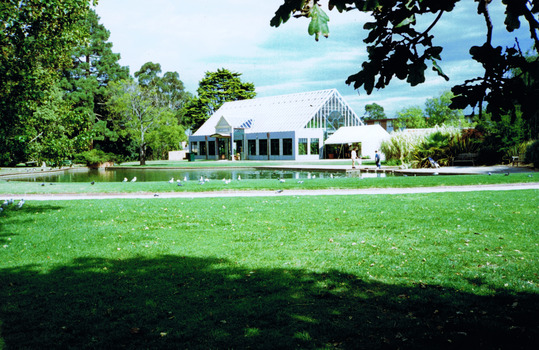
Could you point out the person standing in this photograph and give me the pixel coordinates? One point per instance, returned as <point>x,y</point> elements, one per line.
<point>354,156</point>
<point>377,159</point>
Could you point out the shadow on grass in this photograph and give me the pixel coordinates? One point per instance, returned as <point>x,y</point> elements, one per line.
<point>201,303</point>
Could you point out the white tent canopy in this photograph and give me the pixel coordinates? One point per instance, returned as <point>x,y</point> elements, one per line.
<point>370,136</point>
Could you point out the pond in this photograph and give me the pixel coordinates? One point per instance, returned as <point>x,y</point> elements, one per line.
<point>118,175</point>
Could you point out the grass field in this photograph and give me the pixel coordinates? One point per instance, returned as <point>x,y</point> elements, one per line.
<point>447,270</point>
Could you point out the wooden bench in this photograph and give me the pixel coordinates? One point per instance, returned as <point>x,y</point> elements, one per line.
<point>465,158</point>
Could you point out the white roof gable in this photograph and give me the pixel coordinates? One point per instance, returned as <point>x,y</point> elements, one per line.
<point>270,114</point>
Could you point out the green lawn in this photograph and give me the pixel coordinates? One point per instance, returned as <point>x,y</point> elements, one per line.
<point>446,270</point>
<point>21,187</point>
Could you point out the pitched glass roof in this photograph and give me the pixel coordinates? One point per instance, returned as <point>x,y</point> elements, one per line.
<point>282,113</point>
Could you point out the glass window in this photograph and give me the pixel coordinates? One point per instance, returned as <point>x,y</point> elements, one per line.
<point>302,146</point>
<point>263,147</point>
<point>287,147</point>
<point>211,148</point>
<point>194,147</point>
<point>315,146</point>
<point>252,147</point>
<point>275,151</point>
<point>203,148</point>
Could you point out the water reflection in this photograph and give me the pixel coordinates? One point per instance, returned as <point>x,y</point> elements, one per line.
<point>118,175</point>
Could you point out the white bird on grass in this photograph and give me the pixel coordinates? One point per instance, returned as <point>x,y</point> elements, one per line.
<point>185,178</point>
<point>171,181</point>
<point>134,179</point>
<point>125,179</point>
<point>282,180</point>
<point>20,204</point>
<point>239,177</point>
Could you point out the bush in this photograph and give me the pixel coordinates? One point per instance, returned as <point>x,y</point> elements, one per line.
<point>94,157</point>
<point>532,154</point>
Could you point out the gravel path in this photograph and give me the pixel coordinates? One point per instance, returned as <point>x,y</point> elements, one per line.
<point>328,192</point>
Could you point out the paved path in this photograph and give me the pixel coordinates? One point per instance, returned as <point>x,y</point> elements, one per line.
<point>326,192</point>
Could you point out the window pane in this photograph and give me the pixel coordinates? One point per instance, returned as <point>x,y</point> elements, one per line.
<point>315,146</point>
<point>263,147</point>
<point>211,148</point>
<point>203,148</point>
<point>287,147</point>
<point>252,147</point>
<point>302,146</point>
<point>275,147</point>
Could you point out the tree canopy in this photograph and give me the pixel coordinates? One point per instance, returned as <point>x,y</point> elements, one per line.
<point>397,48</point>
<point>374,111</point>
<point>213,90</point>
<point>36,42</point>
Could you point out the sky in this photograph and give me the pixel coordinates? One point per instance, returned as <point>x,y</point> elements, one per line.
<point>195,37</point>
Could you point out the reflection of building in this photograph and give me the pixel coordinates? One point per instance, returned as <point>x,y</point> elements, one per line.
<point>288,127</point>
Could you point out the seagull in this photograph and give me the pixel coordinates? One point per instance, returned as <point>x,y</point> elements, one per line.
<point>185,178</point>
<point>227,182</point>
<point>331,176</point>
<point>171,181</point>
<point>201,183</point>
<point>282,180</point>
<point>300,182</point>
<point>489,173</point>
<point>20,204</point>
<point>134,179</point>
<point>125,179</point>
<point>206,179</point>
<point>239,178</point>
<point>201,179</point>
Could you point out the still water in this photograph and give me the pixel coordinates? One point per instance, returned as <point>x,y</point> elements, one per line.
<point>118,175</point>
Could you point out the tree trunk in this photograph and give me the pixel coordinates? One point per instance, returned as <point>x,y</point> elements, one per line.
<point>142,155</point>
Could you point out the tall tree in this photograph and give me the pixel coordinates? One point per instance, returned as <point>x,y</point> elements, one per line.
<point>35,44</point>
<point>135,111</point>
<point>438,111</point>
<point>214,90</point>
<point>411,118</point>
<point>374,111</point>
<point>94,66</point>
<point>397,48</point>
<point>147,110</point>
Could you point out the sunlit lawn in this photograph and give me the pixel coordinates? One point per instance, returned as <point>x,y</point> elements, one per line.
<point>451,270</point>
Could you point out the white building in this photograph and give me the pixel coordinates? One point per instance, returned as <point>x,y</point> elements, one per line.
<point>288,127</point>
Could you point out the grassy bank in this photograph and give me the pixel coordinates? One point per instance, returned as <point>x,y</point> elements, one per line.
<point>452,270</point>
<point>18,187</point>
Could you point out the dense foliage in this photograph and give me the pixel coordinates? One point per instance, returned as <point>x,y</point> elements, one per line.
<point>214,90</point>
<point>36,43</point>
